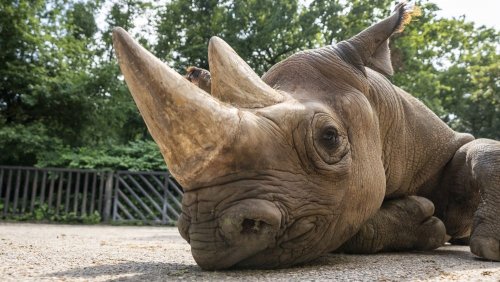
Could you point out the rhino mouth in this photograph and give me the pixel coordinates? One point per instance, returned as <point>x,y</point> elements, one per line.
<point>252,233</point>
<point>222,240</point>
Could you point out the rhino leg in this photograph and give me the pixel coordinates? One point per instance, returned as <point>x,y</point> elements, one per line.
<point>468,201</point>
<point>400,224</point>
<point>483,167</point>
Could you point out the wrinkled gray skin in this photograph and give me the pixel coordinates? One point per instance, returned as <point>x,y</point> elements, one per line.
<point>322,154</point>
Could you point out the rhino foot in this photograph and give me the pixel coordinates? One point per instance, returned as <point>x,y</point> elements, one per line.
<point>483,161</point>
<point>400,225</point>
<point>485,238</point>
<point>485,247</point>
<point>431,235</point>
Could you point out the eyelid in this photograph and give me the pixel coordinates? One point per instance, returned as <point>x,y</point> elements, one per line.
<point>323,154</point>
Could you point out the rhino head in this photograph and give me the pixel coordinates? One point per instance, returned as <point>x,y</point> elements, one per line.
<point>276,170</point>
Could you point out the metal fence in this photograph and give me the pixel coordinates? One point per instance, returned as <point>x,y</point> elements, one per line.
<point>146,196</point>
<point>150,197</point>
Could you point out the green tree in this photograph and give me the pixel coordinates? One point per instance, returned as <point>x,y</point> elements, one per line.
<point>122,14</point>
<point>453,67</point>
<point>42,67</point>
<point>338,20</point>
<point>262,32</point>
<point>117,116</point>
<point>19,56</point>
<point>61,92</point>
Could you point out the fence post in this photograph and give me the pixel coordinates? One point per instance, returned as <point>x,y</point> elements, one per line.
<point>108,194</point>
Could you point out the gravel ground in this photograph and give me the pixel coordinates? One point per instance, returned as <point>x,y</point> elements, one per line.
<point>35,252</point>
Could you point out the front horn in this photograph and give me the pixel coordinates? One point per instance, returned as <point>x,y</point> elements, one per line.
<point>190,126</point>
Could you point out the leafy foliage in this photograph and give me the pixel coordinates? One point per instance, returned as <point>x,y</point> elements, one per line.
<point>136,155</point>
<point>26,144</point>
<point>42,213</point>
<point>262,32</point>
<point>453,67</point>
<point>60,93</point>
<point>338,20</point>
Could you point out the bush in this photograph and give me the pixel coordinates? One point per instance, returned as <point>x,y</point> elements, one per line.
<point>43,213</point>
<point>137,155</point>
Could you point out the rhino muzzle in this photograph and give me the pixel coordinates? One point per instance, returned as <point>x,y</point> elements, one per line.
<point>242,231</point>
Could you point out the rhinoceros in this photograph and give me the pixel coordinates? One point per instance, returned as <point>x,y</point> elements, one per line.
<point>320,154</point>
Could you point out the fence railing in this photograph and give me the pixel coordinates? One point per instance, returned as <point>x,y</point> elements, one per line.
<point>152,197</point>
<point>146,196</point>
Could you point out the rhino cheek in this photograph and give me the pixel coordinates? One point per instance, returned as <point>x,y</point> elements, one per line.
<point>306,232</point>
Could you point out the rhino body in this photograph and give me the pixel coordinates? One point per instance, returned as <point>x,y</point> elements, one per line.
<point>321,154</point>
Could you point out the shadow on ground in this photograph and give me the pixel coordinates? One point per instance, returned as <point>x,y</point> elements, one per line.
<point>445,263</point>
<point>132,271</point>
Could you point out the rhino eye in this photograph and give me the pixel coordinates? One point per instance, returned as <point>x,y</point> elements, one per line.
<point>329,138</point>
<point>328,145</point>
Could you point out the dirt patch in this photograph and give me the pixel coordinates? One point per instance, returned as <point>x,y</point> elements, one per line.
<point>35,252</point>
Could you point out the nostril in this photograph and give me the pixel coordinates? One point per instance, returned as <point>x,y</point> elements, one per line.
<point>249,226</point>
<point>249,221</point>
<point>253,226</point>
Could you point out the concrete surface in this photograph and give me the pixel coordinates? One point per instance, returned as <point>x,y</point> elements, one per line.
<point>39,252</point>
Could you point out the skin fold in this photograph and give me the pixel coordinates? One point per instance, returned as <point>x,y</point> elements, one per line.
<point>321,154</point>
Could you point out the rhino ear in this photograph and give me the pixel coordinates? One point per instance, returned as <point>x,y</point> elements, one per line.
<point>370,47</point>
<point>381,59</point>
